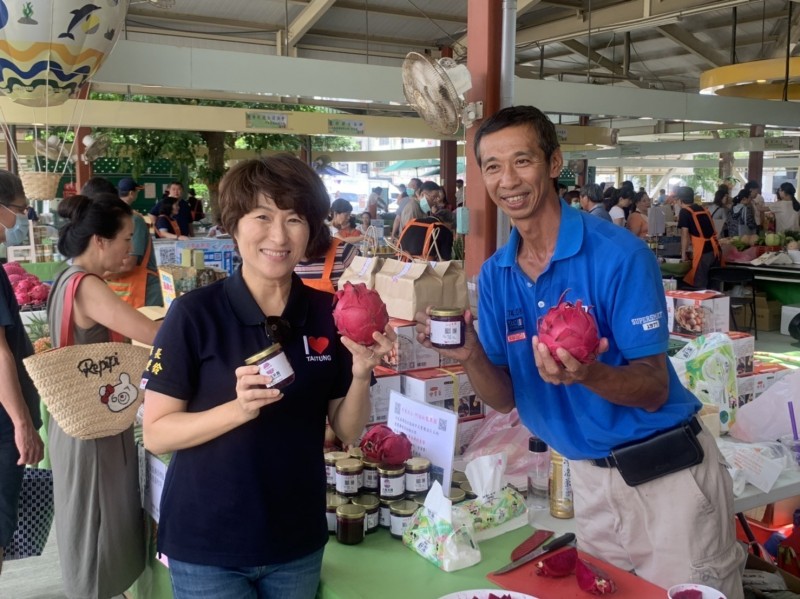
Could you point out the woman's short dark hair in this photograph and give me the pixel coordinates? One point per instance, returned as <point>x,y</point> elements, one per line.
<point>787,188</point>
<point>103,215</point>
<point>341,206</point>
<point>639,196</point>
<point>290,183</point>
<point>515,116</point>
<point>10,188</point>
<point>167,204</point>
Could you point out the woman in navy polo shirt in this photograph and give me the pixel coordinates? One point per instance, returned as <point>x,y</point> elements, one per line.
<point>243,508</point>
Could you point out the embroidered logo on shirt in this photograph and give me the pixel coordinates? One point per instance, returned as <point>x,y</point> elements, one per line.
<point>318,345</point>
<point>649,322</point>
<point>515,329</point>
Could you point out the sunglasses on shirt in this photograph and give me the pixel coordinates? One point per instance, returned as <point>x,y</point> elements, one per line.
<point>278,329</point>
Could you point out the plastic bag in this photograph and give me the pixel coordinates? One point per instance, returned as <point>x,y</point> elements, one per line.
<point>504,433</point>
<point>766,418</point>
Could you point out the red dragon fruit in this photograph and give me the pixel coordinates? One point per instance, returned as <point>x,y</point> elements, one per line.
<point>371,442</point>
<point>358,312</point>
<point>39,293</point>
<point>23,297</point>
<point>382,444</point>
<point>571,327</point>
<point>558,564</point>
<point>15,278</point>
<point>25,285</point>
<point>593,580</point>
<point>14,268</point>
<point>688,594</point>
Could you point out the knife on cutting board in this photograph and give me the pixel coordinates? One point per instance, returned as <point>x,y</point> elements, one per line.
<point>556,543</point>
<point>531,543</point>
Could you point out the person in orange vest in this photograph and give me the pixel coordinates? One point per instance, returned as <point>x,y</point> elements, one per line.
<point>138,282</point>
<point>697,227</point>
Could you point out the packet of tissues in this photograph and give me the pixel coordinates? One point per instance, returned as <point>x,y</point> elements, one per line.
<point>433,534</point>
<point>496,509</point>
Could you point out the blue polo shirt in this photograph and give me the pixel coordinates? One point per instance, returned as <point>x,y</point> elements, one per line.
<point>256,494</point>
<point>615,273</point>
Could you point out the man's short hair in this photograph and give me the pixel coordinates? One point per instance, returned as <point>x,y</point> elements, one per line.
<point>685,194</point>
<point>515,116</point>
<point>751,185</point>
<point>592,192</point>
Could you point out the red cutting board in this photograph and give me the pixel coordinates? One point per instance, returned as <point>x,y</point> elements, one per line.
<point>525,580</point>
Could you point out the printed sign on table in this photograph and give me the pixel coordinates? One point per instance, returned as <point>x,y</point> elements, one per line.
<point>431,430</point>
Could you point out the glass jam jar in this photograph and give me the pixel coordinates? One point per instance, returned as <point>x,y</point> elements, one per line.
<point>448,327</point>
<point>330,466</point>
<point>272,362</point>
<point>457,495</point>
<point>332,503</point>
<point>355,452</point>
<point>350,524</point>
<point>392,481</point>
<point>467,488</point>
<point>370,479</point>
<point>418,475</point>
<point>458,478</point>
<point>384,517</point>
<point>371,505</point>
<point>400,513</point>
<point>348,476</point>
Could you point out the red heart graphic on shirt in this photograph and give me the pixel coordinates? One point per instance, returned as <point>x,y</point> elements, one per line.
<point>318,344</point>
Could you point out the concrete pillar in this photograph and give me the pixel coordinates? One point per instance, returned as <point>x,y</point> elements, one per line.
<point>448,156</point>
<point>583,176</point>
<point>484,33</point>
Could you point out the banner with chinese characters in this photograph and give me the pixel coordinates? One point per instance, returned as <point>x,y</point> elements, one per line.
<point>345,127</point>
<point>431,430</point>
<point>266,120</point>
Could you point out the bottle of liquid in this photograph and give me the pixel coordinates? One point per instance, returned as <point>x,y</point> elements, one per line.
<point>560,487</point>
<point>538,478</point>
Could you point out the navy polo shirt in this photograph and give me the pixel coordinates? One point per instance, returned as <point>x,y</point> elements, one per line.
<point>256,494</point>
<point>615,273</point>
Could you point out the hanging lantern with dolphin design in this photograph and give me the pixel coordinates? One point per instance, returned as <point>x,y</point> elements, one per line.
<point>49,48</point>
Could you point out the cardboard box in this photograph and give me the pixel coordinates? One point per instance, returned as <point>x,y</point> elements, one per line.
<point>466,431</point>
<point>175,281</point>
<point>408,353</point>
<point>387,381</point>
<point>768,313</point>
<point>434,385</point>
<point>467,406</point>
<point>787,314</point>
<point>697,312</point>
<point>743,347</point>
<point>766,375</point>
<point>745,390</point>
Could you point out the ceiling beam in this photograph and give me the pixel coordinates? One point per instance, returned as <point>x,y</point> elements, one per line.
<point>187,19</point>
<point>778,49</point>
<point>307,18</point>
<point>691,43</point>
<point>405,14</point>
<point>602,62</point>
<point>622,16</point>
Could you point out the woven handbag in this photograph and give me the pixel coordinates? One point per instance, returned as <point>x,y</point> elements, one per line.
<point>91,390</point>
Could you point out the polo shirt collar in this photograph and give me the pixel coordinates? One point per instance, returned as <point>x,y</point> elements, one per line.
<point>248,311</point>
<point>570,237</point>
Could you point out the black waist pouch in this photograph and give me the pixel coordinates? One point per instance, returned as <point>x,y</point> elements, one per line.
<point>659,455</point>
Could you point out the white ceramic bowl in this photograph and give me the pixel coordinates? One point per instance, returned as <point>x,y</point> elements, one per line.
<point>794,255</point>
<point>484,594</point>
<point>708,592</point>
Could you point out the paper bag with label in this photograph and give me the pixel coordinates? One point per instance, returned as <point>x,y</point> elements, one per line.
<point>435,536</point>
<point>407,288</point>
<point>454,283</point>
<point>361,270</point>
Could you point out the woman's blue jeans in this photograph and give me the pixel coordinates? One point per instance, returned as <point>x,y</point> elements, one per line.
<point>297,579</point>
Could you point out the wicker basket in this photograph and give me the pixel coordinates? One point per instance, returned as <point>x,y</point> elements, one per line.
<point>40,185</point>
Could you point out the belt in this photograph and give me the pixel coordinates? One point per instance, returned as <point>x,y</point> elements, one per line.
<point>610,462</point>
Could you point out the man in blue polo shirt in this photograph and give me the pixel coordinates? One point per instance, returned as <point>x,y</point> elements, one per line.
<point>650,487</point>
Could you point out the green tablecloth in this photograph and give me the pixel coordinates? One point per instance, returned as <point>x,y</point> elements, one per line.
<point>379,567</point>
<point>46,271</point>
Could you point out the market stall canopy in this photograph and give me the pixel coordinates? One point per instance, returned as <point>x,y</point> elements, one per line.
<point>461,166</point>
<point>406,165</point>
<point>49,48</point>
<point>327,169</point>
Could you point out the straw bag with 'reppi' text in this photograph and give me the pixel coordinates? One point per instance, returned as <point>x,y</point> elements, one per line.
<point>90,390</point>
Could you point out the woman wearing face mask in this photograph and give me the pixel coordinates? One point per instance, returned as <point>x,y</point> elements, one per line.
<point>13,213</point>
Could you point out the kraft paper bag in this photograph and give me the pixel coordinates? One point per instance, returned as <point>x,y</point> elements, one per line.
<point>408,287</point>
<point>454,283</point>
<point>361,270</point>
